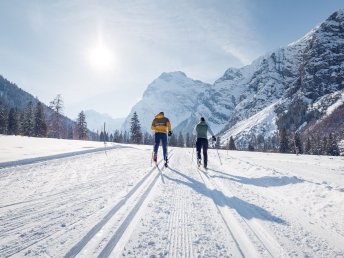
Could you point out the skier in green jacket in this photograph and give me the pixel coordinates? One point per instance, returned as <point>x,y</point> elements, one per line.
<point>201,130</point>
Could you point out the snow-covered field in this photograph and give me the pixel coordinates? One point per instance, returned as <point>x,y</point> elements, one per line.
<point>115,204</point>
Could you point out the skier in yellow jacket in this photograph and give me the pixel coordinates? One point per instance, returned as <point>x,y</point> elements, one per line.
<point>161,126</point>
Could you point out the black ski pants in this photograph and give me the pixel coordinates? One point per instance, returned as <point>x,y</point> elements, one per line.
<point>202,143</point>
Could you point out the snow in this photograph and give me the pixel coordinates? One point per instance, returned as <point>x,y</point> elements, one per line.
<point>19,148</point>
<point>334,106</point>
<point>115,204</point>
<point>262,122</point>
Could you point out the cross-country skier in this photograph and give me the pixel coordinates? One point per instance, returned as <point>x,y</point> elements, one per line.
<point>201,130</point>
<point>161,126</point>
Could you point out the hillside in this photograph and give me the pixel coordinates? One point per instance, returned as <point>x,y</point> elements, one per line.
<point>287,88</point>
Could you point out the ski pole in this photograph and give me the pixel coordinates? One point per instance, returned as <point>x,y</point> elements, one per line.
<point>193,149</point>
<point>218,153</point>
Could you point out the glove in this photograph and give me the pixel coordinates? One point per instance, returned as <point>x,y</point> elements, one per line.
<point>169,133</point>
<point>213,138</point>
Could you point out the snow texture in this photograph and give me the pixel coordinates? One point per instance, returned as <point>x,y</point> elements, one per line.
<point>116,204</point>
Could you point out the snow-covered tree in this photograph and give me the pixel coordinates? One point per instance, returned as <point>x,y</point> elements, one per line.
<point>135,130</point>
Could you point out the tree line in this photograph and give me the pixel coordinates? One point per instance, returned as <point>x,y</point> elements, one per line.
<point>136,136</point>
<point>34,121</point>
<point>291,142</point>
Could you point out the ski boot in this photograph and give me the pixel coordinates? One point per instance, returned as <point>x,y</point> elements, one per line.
<point>199,162</point>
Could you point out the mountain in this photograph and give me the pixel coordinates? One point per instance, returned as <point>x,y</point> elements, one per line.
<point>95,121</point>
<point>292,87</point>
<point>173,93</point>
<point>11,96</point>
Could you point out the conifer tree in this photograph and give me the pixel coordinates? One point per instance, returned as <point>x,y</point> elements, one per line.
<point>135,130</point>
<point>101,136</point>
<point>21,123</point>
<point>188,140</point>
<point>28,120</point>
<point>173,140</point>
<point>325,146</point>
<point>250,147</point>
<point>333,148</point>
<point>147,138</point>
<point>121,137</point>
<point>3,119</point>
<point>231,145</point>
<point>56,120</point>
<point>283,145</point>
<point>126,137</point>
<point>297,144</point>
<point>308,146</point>
<point>40,126</point>
<point>70,134</point>
<point>217,143</point>
<point>13,124</point>
<point>180,140</point>
<point>82,126</point>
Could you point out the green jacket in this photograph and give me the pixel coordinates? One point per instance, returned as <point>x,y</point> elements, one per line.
<point>201,130</point>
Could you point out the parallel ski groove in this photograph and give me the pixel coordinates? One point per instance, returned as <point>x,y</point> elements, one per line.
<point>241,221</point>
<point>82,243</point>
<point>111,244</point>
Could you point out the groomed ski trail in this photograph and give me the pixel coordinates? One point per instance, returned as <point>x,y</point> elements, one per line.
<point>118,205</point>
<point>114,225</point>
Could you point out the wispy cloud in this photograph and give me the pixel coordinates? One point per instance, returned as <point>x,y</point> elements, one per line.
<point>202,38</point>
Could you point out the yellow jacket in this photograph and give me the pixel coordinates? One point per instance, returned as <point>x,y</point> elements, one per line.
<point>161,124</point>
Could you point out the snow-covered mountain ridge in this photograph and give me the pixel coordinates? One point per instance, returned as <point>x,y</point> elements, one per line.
<point>174,93</point>
<point>288,87</point>
<point>96,120</point>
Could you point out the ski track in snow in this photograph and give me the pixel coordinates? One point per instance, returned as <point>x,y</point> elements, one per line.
<point>117,205</point>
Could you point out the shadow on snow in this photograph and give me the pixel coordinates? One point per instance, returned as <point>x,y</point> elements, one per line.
<point>265,181</point>
<point>245,209</point>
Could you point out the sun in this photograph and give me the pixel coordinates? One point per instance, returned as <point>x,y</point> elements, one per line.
<point>101,58</point>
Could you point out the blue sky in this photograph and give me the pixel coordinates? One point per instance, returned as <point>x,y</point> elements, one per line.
<point>101,55</point>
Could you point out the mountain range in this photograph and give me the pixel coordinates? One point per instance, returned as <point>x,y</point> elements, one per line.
<point>295,87</point>
<point>96,120</point>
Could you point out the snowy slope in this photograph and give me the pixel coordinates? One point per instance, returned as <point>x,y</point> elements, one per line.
<point>118,205</point>
<point>23,149</point>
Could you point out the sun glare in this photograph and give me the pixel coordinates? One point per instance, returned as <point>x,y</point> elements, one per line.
<point>101,58</point>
